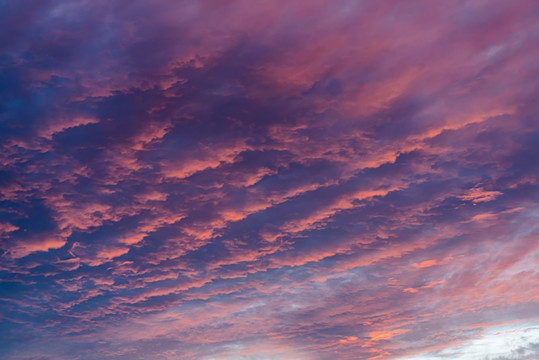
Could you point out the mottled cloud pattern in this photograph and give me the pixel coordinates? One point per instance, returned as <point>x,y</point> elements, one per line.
<point>324,179</point>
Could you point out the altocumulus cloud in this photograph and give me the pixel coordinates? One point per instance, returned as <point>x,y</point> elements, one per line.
<point>272,179</point>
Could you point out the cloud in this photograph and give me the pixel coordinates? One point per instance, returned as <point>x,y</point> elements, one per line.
<point>238,180</point>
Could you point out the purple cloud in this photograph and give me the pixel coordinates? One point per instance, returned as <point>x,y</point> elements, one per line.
<point>239,180</point>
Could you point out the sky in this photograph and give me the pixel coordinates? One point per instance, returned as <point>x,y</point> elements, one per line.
<point>252,180</point>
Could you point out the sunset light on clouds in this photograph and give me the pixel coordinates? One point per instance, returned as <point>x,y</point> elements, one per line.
<point>251,180</point>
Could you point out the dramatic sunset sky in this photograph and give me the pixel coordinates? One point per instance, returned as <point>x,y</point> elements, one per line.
<point>269,179</point>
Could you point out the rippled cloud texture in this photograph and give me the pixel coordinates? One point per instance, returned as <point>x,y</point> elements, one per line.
<point>311,180</point>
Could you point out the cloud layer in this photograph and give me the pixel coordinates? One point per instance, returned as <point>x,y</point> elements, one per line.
<point>268,180</point>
